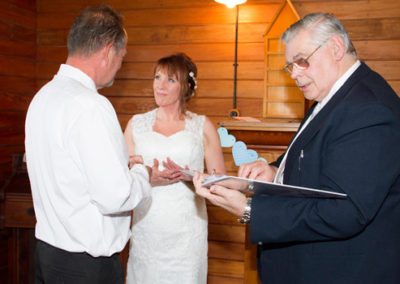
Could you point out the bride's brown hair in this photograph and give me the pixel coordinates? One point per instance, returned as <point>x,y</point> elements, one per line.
<point>185,70</point>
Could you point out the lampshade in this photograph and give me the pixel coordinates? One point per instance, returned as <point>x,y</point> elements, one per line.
<point>230,3</point>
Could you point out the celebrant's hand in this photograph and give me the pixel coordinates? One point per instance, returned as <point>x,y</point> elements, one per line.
<point>230,199</point>
<point>259,170</point>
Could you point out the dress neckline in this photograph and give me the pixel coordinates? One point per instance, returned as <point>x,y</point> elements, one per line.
<point>153,121</point>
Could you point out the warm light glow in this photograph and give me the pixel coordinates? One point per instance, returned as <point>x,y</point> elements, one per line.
<point>230,3</point>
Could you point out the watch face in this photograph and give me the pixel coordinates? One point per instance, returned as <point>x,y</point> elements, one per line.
<point>245,219</point>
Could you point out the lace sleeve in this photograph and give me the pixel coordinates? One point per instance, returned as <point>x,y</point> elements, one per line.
<point>196,123</point>
<point>142,122</point>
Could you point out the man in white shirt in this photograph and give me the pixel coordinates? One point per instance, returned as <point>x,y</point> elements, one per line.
<point>77,160</point>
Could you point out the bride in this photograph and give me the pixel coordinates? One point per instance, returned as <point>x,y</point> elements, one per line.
<point>169,230</point>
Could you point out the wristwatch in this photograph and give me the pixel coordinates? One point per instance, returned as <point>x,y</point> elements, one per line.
<point>245,219</point>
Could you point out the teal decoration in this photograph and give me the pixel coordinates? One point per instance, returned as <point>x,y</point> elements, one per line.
<point>242,155</point>
<point>227,140</point>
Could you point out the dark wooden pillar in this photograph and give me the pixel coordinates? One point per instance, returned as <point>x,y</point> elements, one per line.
<point>18,223</point>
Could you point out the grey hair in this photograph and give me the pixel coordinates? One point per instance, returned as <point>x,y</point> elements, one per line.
<point>323,26</point>
<point>94,28</point>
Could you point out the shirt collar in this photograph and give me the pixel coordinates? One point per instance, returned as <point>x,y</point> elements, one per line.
<point>76,74</point>
<point>339,83</point>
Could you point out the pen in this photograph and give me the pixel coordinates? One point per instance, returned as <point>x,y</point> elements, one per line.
<point>300,158</point>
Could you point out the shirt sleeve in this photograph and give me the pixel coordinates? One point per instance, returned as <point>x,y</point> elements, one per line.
<point>99,149</point>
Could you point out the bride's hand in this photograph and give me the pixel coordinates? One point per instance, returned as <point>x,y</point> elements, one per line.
<point>171,165</point>
<point>164,177</point>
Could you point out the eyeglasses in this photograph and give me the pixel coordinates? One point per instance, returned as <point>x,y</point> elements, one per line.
<point>301,63</point>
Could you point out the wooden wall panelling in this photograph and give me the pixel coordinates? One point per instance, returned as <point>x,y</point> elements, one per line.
<point>20,221</point>
<point>51,6</point>
<point>17,85</point>
<point>160,34</point>
<point>225,268</point>
<point>223,280</point>
<point>269,141</point>
<point>275,78</point>
<point>17,71</point>
<point>378,49</point>
<point>226,239</point>
<point>20,262</point>
<point>151,53</point>
<point>225,250</point>
<point>379,52</point>
<point>154,15</point>
<point>152,35</point>
<point>3,252</point>
<point>355,9</point>
<point>16,92</point>
<point>396,86</point>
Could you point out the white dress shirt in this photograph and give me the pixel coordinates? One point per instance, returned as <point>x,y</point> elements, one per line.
<point>280,172</point>
<point>77,163</point>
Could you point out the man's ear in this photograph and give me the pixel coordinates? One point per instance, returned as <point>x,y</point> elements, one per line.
<point>106,53</point>
<point>338,47</point>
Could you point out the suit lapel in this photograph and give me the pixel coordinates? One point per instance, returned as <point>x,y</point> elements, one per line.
<point>319,120</point>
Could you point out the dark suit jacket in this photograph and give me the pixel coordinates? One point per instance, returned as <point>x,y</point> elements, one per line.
<point>352,146</point>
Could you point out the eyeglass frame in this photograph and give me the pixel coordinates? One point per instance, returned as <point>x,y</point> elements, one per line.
<point>289,67</point>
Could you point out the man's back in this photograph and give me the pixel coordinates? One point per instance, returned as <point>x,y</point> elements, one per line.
<point>77,166</point>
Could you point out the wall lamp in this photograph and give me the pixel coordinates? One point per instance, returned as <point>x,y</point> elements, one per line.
<point>232,4</point>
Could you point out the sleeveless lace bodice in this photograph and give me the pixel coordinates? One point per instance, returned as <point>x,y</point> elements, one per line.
<point>169,231</point>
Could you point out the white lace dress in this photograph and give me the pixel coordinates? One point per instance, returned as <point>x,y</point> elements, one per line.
<point>169,231</point>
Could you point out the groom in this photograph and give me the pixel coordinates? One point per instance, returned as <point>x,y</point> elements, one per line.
<point>77,160</point>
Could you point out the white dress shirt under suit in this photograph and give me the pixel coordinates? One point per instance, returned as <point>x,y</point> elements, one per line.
<point>78,167</point>
<point>339,83</point>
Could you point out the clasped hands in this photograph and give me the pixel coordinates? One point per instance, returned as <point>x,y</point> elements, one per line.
<point>169,175</point>
<point>231,199</point>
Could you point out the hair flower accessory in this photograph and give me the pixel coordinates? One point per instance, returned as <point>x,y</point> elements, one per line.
<point>192,80</point>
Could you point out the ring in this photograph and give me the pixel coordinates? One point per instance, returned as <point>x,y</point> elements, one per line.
<point>250,187</point>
